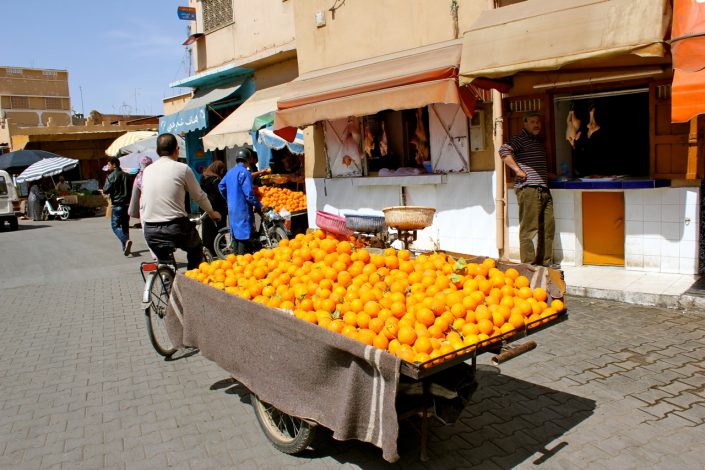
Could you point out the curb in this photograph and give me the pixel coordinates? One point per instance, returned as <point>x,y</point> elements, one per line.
<point>681,302</point>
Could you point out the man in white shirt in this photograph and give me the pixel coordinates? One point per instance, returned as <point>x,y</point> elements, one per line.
<point>162,204</point>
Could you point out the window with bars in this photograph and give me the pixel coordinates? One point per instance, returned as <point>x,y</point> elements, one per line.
<point>19,102</point>
<point>53,103</point>
<point>216,13</point>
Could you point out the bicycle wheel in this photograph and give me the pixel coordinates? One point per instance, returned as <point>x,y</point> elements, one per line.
<point>223,244</point>
<point>64,213</point>
<point>276,234</point>
<point>158,286</point>
<point>287,434</point>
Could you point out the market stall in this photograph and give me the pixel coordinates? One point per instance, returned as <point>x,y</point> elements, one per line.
<point>355,388</point>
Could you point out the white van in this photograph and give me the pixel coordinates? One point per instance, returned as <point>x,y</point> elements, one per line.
<point>9,203</point>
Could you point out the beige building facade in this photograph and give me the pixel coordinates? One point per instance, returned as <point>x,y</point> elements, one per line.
<point>30,97</point>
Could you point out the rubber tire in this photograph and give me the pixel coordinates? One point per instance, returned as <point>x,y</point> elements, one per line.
<point>159,286</point>
<point>277,234</point>
<point>222,243</point>
<point>14,224</point>
<point>207,256</point>
<point>267,415</point>
<point>64,213</point>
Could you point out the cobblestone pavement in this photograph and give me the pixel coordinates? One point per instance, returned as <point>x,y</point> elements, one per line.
<point>615,386</point>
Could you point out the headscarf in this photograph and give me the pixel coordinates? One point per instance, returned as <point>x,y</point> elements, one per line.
<point>144,163</point>
<point>217,168</point>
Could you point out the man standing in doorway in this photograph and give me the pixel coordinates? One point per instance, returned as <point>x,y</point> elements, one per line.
<point>118,188</point>
<point>525,154</point>
<point>162,204</point>
<point>236,188</point>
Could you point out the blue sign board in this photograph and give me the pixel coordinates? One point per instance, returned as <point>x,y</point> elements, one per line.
<point>186,13</point>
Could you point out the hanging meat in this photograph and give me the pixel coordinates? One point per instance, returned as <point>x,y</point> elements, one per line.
<point>369,142</point>
<point>572,132</point>
<point>383,144</point>
<point>420,139</point>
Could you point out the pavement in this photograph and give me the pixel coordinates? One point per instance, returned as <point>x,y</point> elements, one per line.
<point>616,386</point>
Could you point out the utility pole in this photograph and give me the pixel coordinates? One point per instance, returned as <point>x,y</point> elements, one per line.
<point>83,111</point>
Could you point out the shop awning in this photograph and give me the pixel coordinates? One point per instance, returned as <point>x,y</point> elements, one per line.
<point>194,114</point>
<point>235,129</point>
<point>270,139</point>
<point>688,51</point>
<point>126,139</point>
<point>403,80</point>
<point>539,35</point>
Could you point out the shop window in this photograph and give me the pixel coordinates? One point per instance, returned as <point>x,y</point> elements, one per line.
<point>602,134</point>
<point>216,13</point>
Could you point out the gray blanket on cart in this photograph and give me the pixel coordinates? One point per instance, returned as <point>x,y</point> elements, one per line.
<point>298,367</point>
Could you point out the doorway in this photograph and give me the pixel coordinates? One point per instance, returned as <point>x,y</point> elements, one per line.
<point>603,228</point>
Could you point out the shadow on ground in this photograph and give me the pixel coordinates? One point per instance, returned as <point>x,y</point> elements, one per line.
<point>507,422</point>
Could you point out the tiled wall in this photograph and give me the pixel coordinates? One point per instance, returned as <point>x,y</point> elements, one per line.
<point>661,229</point>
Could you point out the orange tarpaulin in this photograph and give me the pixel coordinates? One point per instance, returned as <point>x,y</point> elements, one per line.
<point>688,51</point>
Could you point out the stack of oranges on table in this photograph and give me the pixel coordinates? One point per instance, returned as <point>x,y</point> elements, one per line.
<point>281,198</point>
<point>419,309</point>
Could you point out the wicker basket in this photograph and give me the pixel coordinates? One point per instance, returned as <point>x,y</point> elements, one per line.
<point>365,223</point>
<point>409,217</point>
<point>332,223</point>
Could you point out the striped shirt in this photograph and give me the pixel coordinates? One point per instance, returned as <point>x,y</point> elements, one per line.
<point>530,154</point>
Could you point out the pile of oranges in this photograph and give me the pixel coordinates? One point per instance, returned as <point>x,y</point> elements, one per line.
<point>281,198</point>
<point>419,309</point>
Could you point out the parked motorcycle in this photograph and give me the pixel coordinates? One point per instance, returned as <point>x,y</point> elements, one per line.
<point>271,231</point>
<point>53,207</point>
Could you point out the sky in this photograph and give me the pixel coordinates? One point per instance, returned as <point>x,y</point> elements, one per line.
<point>121,55</point>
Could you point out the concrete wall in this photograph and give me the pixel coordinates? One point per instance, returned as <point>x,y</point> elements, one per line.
<point>175,103</point>
<point>259,29</point>
<point>465,210</point>
<point>367,28</point>
<point>277,73</point>
<point>35,85</point>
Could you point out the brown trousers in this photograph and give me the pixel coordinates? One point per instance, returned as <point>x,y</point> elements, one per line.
<point>536,225</point>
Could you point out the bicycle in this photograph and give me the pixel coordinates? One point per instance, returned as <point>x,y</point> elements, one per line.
<point>158,278</point>
<point>271,231</point>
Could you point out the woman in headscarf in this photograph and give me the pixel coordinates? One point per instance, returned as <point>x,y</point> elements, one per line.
<point>209,183</point>
<point>134,208</point>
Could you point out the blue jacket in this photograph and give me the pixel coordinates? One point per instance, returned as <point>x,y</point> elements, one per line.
<point>236,188</point>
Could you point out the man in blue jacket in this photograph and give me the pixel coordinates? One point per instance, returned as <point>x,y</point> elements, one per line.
<point>236,188</point>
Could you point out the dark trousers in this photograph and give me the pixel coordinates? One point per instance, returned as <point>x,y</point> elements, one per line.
<point>536,225</point>
<point>163,238</point>
<point>209,229</point>
<point>241,247</point>
<point>120,223</point>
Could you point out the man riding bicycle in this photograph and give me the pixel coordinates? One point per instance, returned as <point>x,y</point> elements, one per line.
<point>162,205</point>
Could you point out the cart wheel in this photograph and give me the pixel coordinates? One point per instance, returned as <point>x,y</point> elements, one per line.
<point>287,434</point>
<point>159,286</point>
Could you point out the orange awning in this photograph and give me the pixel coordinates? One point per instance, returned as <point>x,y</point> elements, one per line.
<point>403,80</point>
<point>688,50</point>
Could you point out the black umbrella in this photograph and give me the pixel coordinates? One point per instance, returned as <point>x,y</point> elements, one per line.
<point>23,158</point>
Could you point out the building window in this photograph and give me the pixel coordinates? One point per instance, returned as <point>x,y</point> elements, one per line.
<point>216,13</point>
<point>53,103</point>
<point>19,102</point>
<point>49,73</point>
<point>13,71</point>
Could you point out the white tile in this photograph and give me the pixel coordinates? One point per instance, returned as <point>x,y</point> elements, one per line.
<point>672,196</point>
<point>652,263</point>
<point>671,230</point>
<point>652,212</point>
<point>688,249</point>
<point>564,211</point>
<point>633,198</point>
<point>692,196</point>
<point>670,249</point>
<point>690,231</point>
<point>688,266</point>
<point>652,246</point>
<point>567,240</point>
<point>690,211</point>
<point>634,212</point>
<point>672,212</point>
<point>634,247</point>
<point>651,196</point>
<point>634,261</point>
<point>568,256</point>
<point>652,229</point>
<point>513,211</point>
<point>634,228</point>
<point>670,264</point>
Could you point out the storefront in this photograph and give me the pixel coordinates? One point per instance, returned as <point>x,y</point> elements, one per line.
<point>627,187</point>
<point>395,130</point>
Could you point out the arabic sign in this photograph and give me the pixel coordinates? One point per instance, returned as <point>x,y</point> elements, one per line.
<point>186,13</point>
<point>185,120</point>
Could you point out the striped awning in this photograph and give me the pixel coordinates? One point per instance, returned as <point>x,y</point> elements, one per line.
<point>47,167</point>
<point>270,139</point>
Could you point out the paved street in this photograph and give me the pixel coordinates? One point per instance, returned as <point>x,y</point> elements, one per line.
<point>615,386</point>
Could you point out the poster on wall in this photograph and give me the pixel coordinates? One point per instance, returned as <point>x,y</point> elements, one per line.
<point>343,147</point>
